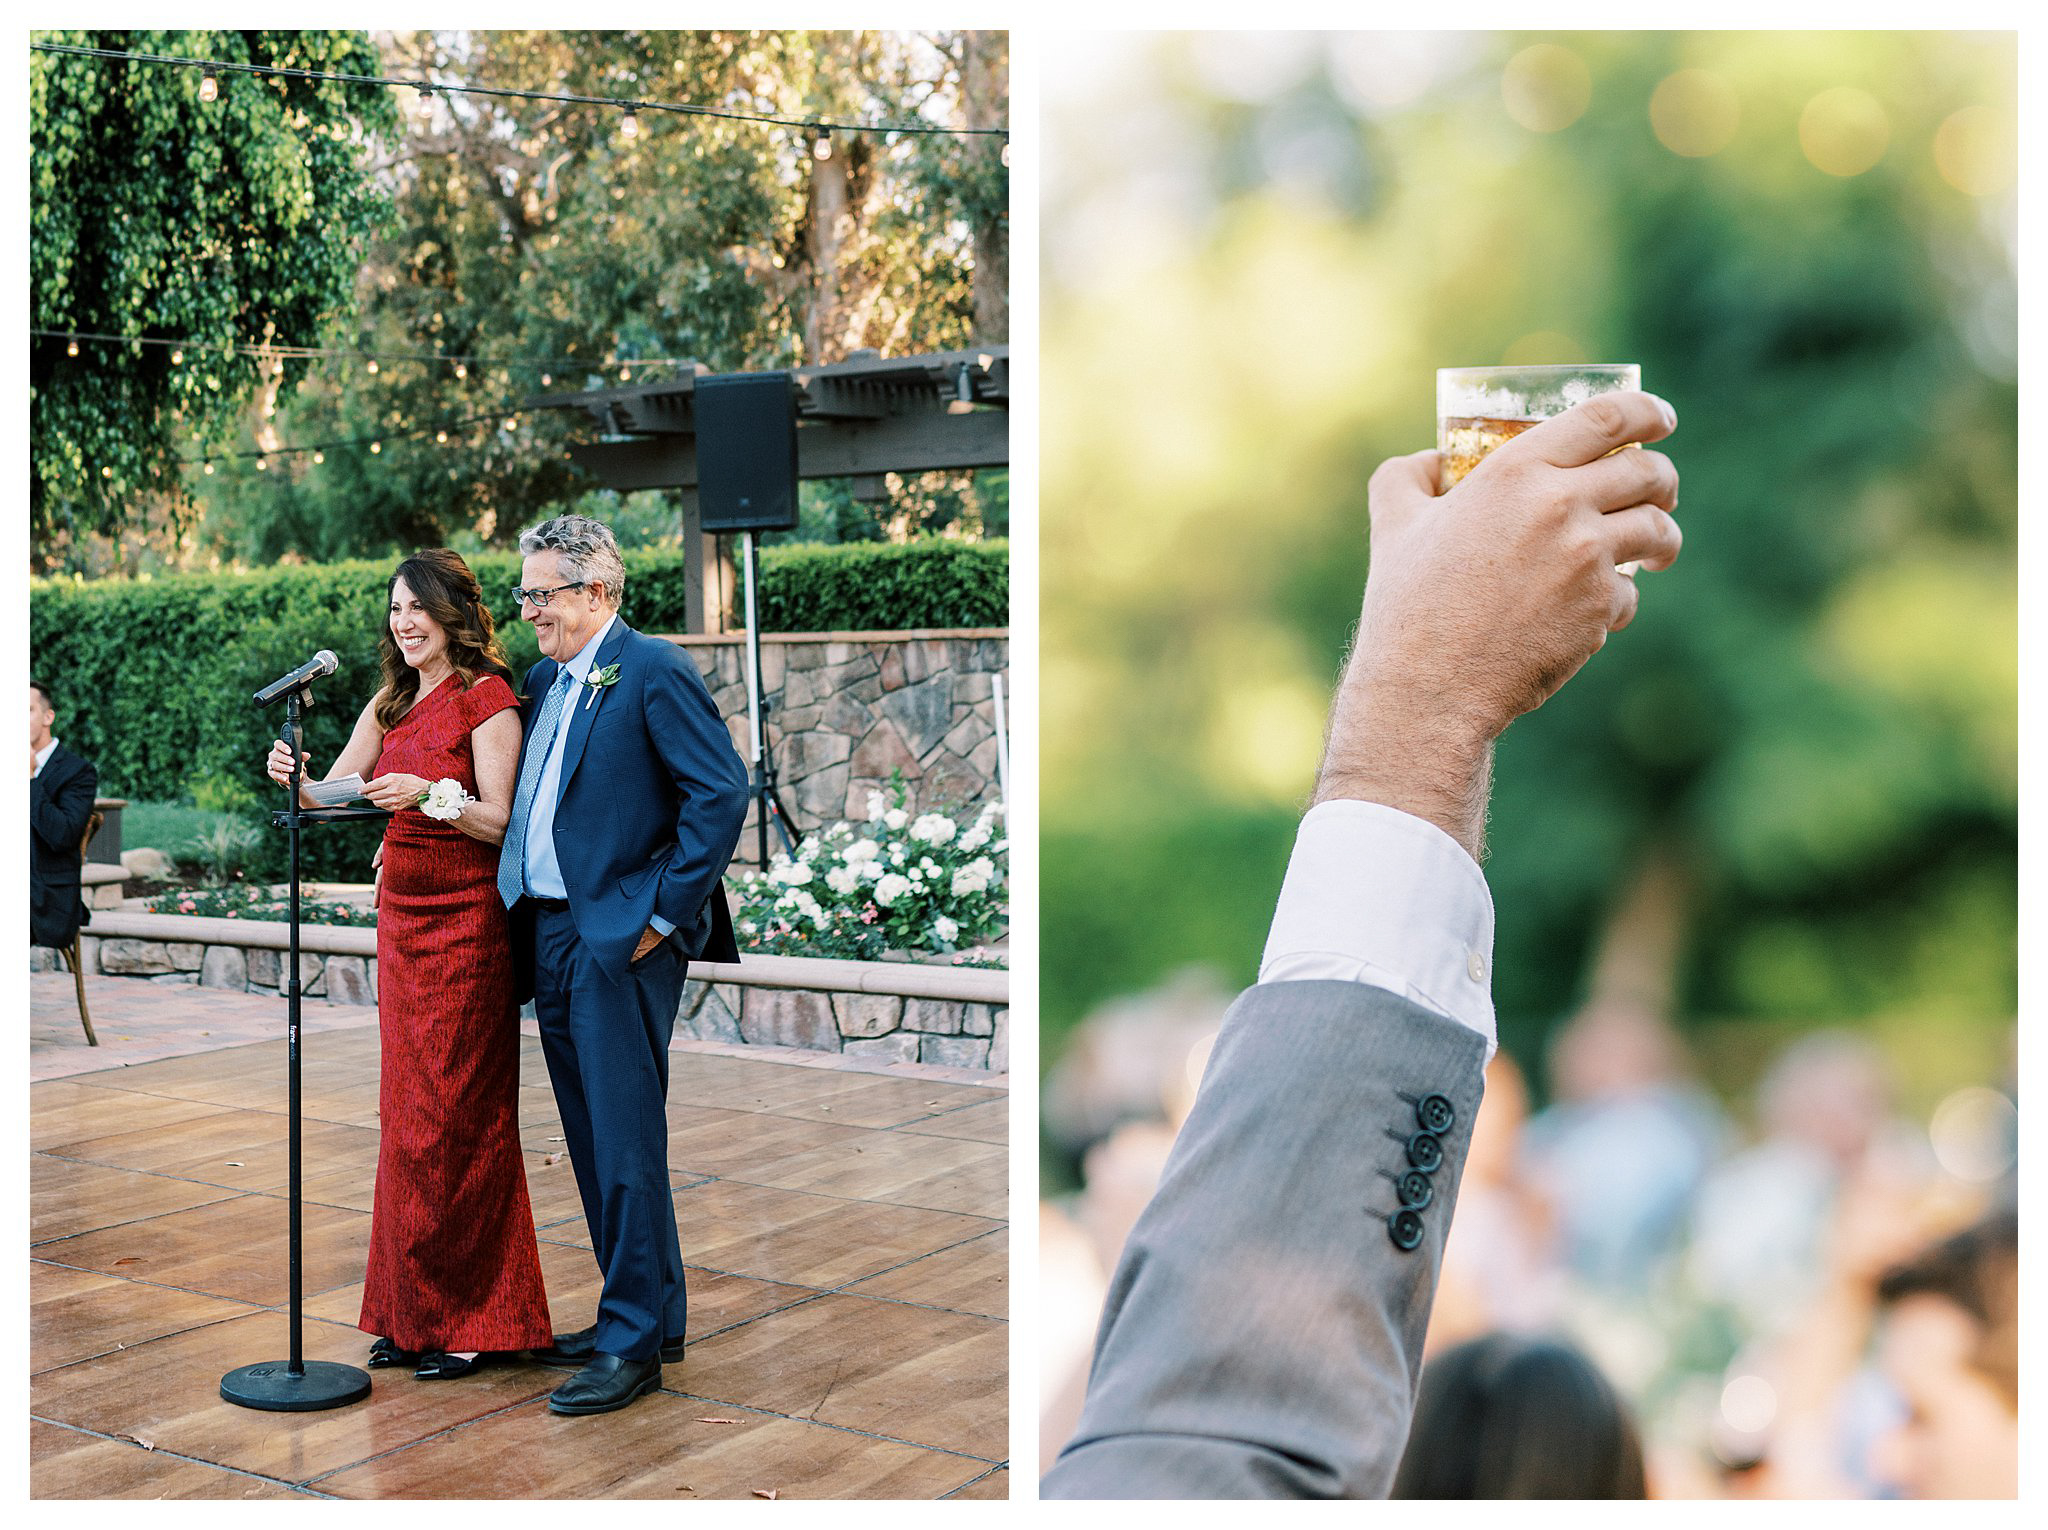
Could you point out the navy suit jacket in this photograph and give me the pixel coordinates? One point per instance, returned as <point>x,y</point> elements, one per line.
<point>653,796</point>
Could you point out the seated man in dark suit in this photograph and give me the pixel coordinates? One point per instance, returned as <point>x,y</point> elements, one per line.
<point>1263,1329</point>
<point>61,791</point>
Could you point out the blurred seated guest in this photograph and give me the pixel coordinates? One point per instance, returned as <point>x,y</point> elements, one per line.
<point>1622,1151</point>
<point>1501,1269</point>
<point>1949,1343</point>
<point>1763,1215</point>
<point>61,790</point>
<point>1511,1417</point>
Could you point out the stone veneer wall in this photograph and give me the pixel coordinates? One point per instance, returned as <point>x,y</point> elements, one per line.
<point>848,709</point>
<point>908,1029</point>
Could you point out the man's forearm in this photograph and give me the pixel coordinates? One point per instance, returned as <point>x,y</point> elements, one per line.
<point>1388,748</point>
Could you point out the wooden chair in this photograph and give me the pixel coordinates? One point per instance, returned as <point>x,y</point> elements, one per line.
<point>70,952</point>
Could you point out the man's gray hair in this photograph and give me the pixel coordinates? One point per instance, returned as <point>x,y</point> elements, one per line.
<point>589,551</point>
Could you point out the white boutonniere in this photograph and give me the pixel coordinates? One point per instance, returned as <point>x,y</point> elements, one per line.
<point>445,799</point>
<point>598,680</point>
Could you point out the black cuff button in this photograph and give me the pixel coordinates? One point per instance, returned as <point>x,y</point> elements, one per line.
<point>1414,1189</point>
<point>1405,1228</point>
<point>1435,1114</point>
<point>1425,1152</point>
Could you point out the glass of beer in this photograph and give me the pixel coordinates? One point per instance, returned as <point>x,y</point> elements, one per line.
<point>1479,408</point>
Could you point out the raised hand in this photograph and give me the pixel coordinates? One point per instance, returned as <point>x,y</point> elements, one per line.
<point>1482,602</point>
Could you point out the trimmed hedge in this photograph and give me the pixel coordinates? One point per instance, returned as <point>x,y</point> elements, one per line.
<point>153,677</point>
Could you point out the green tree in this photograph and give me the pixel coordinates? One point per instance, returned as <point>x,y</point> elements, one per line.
<point>157,214</point>
<point>532,229</point>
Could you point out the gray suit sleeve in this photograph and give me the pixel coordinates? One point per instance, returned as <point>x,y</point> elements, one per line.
<point>1264,1327</point>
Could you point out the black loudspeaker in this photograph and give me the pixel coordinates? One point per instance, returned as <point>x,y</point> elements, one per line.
<point>746,452</point>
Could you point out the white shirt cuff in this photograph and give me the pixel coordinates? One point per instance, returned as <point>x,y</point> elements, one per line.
<point>1374,895</point>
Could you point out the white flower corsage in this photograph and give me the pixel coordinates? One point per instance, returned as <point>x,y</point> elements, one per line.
<point>445,799</point>
<point>597,681</point>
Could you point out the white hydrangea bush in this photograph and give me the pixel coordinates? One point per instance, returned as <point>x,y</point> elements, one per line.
<point>927,883</point>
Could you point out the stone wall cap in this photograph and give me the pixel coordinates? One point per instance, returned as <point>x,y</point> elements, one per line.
<point>914,635</point>
<point>972,985</point>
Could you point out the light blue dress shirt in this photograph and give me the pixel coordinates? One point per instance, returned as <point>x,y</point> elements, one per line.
<point>543,869</point>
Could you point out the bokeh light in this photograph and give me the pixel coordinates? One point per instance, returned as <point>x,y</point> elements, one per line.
<point>1694,113</point>
<point>1977,151</point>
<point>1748,1404</point>
<point>1974,1134</point>
<point>1844,131</point>
<point>1546,87</point>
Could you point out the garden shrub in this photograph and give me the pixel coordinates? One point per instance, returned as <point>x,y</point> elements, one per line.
<point>152,677</point>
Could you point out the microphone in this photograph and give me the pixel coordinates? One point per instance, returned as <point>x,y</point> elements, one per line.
<point>322,663</point>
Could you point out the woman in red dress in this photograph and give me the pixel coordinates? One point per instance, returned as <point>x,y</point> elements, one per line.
<point>454,1272</point>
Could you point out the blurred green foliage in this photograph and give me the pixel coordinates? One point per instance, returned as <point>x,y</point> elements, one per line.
<point>1813,722</point>
<point>154,676</point>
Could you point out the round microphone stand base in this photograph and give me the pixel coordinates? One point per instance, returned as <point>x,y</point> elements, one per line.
<point>271,1386</point>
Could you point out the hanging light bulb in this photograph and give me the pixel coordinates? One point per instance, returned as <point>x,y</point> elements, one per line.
<point>625,374</point>
<point>373,366</point>
<point>106,472</point>
<point>511,423</point>
<point>318,458</point>
<point>461,371</point>
<point>209,470</point>
<point>426,105</point>
<point>440,438</point>
<point>546,381</point>
<point>1006,151</point>
<point>262,464</point>
<point>209,86</point>
<point>821,146</point>
<point>376,447</point>
<point>629,127</point>
<point>72,348</point>
<point>177,358</point>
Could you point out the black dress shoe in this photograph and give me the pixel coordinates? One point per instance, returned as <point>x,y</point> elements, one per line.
<point>441,1366</point>
<point>574,1350</point>
<point>385,1353</point>
<point>606,1384</point>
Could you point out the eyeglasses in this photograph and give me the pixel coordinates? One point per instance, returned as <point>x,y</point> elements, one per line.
<point>539,598</point>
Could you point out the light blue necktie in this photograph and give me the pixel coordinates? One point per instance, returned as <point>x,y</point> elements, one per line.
<point>512,858</point>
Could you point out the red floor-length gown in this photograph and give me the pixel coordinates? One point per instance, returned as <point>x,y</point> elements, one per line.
<point>453,1261</point>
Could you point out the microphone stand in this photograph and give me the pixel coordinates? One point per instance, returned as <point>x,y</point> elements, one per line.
<point>297,1385</point>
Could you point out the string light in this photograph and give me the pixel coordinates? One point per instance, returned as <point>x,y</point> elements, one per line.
<point>209,86</point>
<point>372,361</point>
<point>373,366</point>
<point>629,126</point>
<point>209,470</point>
<point>440,438</point>
<point>177,358</point>
<point>426,106</point>
<point>428,88</point>
<point>461,372</point>
<point>1006,151</point>
<point>262,464</point>
<point>821,146</point>
<point>376,447</point>
<point>72,348</point>
<point>318,458</point>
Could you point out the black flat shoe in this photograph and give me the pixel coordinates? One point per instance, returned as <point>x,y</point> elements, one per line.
<point>575,1350</point>
<point>441,1366</point>
<point>607,1384</point>
<point>385,1353</point>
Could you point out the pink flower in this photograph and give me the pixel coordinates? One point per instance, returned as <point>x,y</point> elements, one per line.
<point>186,904</point>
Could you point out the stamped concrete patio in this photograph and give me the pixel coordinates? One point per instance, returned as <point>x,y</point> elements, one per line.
<point>844,1227</point>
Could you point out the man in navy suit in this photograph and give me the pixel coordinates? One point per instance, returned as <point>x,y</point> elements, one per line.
<point>629,804</point>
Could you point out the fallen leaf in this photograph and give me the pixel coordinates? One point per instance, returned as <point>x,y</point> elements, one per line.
<point>138,1439</point>
<point>721,1421</point>
<point>767,1493</point>
<point>130,1260</point>
<point>552,1159</point>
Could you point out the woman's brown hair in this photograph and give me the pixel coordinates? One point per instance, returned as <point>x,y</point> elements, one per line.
<point>447,589</point>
